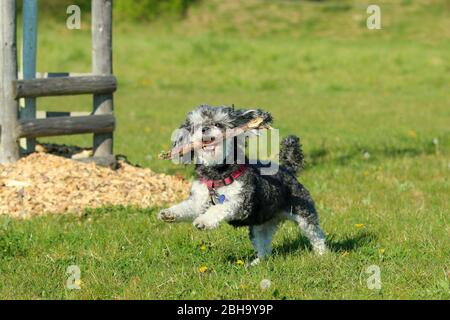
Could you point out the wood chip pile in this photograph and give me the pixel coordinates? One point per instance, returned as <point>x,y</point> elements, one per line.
<point>43,183</point>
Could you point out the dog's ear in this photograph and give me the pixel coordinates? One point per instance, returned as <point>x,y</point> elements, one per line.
<point>182,135</point>
<point>180,138</point>
<point>243,116</point>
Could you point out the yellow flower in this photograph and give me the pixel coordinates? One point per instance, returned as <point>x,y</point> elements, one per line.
<point>203,269</point>
<point>412,133</point>
<point>381,250</point>
<point>146,82</point>
<point>203,247</point>
<point>240,262</point>
<point>359,225</point>
<point>345,253</point>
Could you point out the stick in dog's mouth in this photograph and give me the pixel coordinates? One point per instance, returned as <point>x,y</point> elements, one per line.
<point>255,124</point>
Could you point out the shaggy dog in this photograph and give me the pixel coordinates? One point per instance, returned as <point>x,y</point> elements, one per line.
<point>226,190</point>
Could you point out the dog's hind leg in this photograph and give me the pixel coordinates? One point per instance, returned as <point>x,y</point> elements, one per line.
<point>311,229</point>
<point>261,237</point>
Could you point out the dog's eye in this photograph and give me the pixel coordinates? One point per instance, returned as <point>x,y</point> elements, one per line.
<point>219,125</point>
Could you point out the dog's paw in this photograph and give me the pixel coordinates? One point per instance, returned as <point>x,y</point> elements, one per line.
<point>203,223</point>
<point>321,250</point>
<point>254,262</point>
<point>166,216</point>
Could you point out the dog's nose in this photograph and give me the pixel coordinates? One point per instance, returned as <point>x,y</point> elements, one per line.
<point>206,129</point>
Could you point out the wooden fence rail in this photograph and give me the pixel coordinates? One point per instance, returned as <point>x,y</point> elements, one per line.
<point>59,126</point>
<point>16,123</point>
<point>65,86</point>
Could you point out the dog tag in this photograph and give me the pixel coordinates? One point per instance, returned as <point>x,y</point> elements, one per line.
<point>216,198</point>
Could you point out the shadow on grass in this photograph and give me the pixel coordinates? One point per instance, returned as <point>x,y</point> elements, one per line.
<point>349,243</point>
<point>324,154</point>
<point>301,243</point>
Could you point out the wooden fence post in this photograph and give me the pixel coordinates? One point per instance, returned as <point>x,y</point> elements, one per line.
<point>29,48</point>
<point>9,106</point>
<point>102,65</point>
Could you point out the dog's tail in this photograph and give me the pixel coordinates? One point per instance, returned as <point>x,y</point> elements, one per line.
<point>291,154</point>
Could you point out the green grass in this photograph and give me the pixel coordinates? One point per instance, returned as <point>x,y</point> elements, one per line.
<point>347,91</point>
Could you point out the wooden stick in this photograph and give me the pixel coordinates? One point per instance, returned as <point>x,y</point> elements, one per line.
<point>257,123</point>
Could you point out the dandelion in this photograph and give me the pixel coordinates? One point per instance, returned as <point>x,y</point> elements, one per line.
<point>265,284</point>
<point>240,262</point>
<point>146,82</point>
<point>203,269</point>
<point>359,225</point>
<point>366,155</point>
<point>345,253</point>
<point>203,247</point>
<point>382,250</point>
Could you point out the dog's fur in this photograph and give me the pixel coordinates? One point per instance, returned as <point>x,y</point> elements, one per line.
<point>258,201</point>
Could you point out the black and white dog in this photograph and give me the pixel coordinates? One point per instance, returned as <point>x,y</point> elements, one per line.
<point>237,193</point>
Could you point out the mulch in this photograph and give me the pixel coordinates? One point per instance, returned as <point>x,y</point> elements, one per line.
<point>44,183</point>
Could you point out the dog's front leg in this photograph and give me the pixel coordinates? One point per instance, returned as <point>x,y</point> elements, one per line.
<point>183,211</point>
<point>189,209</point>
<point>214,216</point>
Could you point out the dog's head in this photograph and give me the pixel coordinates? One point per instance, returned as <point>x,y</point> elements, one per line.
<point>207,126</point>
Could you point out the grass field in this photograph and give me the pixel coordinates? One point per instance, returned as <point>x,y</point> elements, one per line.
<point>372,108</point>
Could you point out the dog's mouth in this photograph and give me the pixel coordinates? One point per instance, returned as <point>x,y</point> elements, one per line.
<point>209,144</point>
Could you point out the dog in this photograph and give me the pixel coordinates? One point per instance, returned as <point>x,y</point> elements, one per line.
<point>237,193</point>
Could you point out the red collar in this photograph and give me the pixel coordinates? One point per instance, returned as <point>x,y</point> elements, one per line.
<point>213,184</point>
